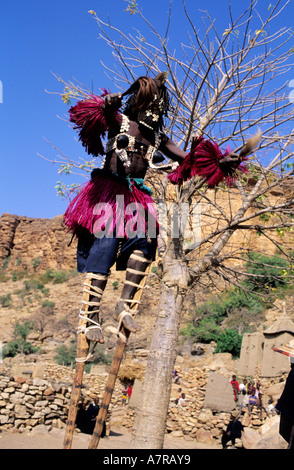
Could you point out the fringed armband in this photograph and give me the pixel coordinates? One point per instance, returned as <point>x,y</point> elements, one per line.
<point>90,119</point>
<point>204,160</point>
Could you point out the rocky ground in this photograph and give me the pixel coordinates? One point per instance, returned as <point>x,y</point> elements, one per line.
<point>119,438</point>
<point>27,403</point>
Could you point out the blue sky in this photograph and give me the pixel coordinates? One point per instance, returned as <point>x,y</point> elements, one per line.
<point>37,38</point>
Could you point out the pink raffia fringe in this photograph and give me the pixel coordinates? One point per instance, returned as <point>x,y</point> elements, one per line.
<point>103,202</point>
<point>89,118</point>
<point>203,160</point>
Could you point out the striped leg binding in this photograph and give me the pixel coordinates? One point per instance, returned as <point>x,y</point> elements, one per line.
<point>89,308</point>
<point>129,303</point>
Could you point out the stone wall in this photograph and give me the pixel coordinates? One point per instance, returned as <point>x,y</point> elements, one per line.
<point>29,402</point>
<point>25,403</point>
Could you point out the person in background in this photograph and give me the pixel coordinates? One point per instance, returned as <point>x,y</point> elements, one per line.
<point>92,412</point>
<point>124,396</point>
<point>285,406</point>
<point>271,409</point>
<point>182,401</point>
<point>178,396</point>
<point>244,386</point>
<point>235,384</point>
<point>251,388</point>
<point>259,403</point>
<point>129,392</point>
<point>233,431</point>
<point>82,415</point>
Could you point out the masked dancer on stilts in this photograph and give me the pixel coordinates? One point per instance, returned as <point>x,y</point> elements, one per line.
<point>115,200</point>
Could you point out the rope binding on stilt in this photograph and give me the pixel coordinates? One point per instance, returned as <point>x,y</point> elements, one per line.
<point>84,314</point>
<point>136,255</point>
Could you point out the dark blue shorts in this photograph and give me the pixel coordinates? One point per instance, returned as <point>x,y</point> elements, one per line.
<point>98,255</point>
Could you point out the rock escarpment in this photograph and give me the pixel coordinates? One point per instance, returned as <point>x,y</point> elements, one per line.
<point>35,244</point>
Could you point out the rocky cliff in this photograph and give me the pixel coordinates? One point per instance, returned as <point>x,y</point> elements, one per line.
<point>35,244</point>
<point>38,244</point>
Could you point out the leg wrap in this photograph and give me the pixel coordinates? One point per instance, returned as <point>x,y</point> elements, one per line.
<point>135,271</point>
<point>128,301</point>
<point>90,291</point>
<point>137,256</point>
<point>93,291</point>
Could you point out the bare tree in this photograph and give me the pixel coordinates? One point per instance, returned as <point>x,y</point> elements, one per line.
<point>227,85</point>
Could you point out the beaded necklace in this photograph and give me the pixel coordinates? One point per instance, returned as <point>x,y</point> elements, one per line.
<point>115,143</point>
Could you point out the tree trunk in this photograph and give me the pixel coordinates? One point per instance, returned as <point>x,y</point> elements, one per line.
<point>150,422</point>
<point>149,428</point>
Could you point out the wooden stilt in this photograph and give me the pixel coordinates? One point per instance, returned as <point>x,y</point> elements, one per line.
<point>82,352</point>
<point>115,365</point>
<point>114,369</point>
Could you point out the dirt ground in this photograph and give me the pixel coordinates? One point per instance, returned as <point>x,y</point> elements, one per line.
<point>118,439</point>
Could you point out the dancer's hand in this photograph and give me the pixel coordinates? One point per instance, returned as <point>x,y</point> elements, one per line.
<point>113,100</point>
<point>231,160</point>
